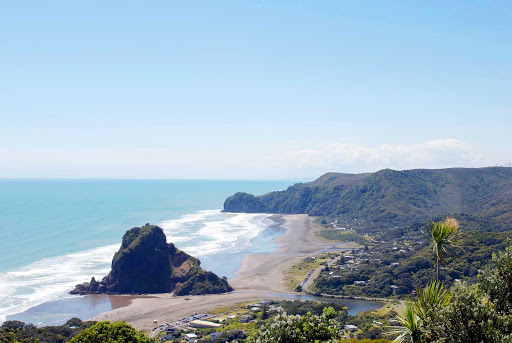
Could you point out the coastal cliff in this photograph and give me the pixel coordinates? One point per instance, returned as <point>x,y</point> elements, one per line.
<point>390,198</point>
<point>145,263</point>
<point>244,203</point>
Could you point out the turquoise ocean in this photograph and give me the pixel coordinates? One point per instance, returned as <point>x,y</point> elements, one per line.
<point>55,234</point>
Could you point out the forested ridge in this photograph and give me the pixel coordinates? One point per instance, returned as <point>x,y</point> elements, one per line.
<point>390,198</point>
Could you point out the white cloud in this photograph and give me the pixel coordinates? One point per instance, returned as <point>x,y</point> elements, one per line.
<point>356,158</point>
<point>204,163</point>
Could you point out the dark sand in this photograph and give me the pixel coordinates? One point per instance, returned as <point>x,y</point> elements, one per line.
<point>84,307</point>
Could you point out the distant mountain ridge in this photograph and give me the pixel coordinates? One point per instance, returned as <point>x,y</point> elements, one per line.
<point>393,198</point>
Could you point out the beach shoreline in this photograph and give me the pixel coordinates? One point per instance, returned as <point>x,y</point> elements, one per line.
<point>259,277</point>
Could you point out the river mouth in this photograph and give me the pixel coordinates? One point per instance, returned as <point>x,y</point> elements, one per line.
<point>84,307</point>
<point>355,306</point>
<point>58,312</point>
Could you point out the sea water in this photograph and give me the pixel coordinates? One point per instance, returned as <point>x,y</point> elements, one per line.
<point>55,234</point>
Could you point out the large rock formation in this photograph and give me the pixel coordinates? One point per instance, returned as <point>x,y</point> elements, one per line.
<point>145,263</point>
<point>244,203</point>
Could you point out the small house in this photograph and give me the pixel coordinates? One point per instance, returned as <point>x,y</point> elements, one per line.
<point>351,328</point>
<point>191,337</point>
<point>245,318</point>
<point>166,338</point>
<point>214,335</point>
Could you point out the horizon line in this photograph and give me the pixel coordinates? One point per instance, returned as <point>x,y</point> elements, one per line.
<point>298,179</point>
<point>140,179</point>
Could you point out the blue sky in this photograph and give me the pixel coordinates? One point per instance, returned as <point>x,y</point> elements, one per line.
<point>252,89</point>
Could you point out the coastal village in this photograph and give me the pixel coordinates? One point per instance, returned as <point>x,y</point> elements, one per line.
<point>199,326</point>
<point>238,322</point>
<point>347,264</point>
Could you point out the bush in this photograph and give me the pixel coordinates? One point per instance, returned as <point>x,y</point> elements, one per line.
<point>107,332</point>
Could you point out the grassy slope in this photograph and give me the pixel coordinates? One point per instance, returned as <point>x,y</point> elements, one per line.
<point>298,272</point>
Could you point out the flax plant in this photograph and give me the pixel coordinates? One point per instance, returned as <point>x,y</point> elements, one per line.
<point>444,237</point>
<point>431,299</point>
<point>410,329</point>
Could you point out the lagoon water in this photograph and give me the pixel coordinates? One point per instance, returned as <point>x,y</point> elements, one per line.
<point>57,233</point>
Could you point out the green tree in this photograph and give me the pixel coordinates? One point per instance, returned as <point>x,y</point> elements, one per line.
<point>444,237</point>
<point>470,314</point>
<point>7,337</point>
<point>13,325</point>
<point>300,329</point>
<point>497,284</point>
<point>74,322</point>
<point>107,332</point>
<point>468,318</point>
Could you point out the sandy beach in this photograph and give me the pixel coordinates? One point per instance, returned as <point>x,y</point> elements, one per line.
<point>264,272</point>
<point>258,274</point>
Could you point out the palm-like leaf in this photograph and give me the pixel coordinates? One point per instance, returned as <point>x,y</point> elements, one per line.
<point>410,326</point>
<point>444,237</point>
<point>431,298</point>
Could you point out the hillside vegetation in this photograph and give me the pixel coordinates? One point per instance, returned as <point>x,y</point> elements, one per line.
<point>396,270</point>
<point>390,198</point>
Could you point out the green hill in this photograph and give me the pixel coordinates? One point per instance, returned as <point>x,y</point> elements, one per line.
<point>390,198</point>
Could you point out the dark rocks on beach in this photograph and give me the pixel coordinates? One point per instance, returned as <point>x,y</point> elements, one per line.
<point>89,287</point>
<point>145,263</point>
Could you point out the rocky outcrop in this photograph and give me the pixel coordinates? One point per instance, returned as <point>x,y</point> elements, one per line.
<point>145,263</point>
<point>244,203</point>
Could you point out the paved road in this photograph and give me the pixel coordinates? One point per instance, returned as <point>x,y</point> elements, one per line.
<point>305,286</point>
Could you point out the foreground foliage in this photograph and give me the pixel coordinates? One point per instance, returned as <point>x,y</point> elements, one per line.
<point>107,332</point>
<point>300,329</point>
<point>477,313</point>
<point>74,331</point>
<point>13,331</point>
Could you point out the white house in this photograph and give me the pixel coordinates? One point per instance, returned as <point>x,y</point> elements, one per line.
<point>191,337</point>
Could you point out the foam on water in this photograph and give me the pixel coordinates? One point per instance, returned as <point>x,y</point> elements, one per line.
<point>51,278</point>
<point>212,231</point>
<point>206,234</point>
